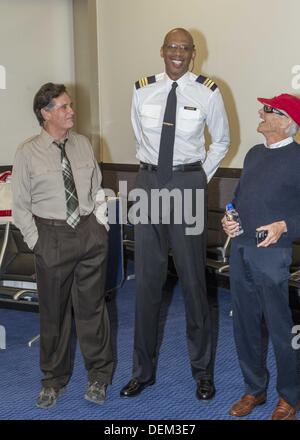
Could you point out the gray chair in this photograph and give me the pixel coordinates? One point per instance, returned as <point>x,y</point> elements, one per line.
<point>218,243</point>
<point>17,270</point>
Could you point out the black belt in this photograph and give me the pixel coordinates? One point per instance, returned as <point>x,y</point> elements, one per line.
<point>195,166</point>
<point>58,222</point>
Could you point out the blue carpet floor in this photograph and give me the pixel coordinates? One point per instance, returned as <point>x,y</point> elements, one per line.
<point>171,398</point>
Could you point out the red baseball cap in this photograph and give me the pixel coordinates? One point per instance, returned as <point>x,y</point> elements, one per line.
<point>288,103</point>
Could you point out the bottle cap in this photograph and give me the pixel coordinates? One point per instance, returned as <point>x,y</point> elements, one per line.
<point>229,207</point>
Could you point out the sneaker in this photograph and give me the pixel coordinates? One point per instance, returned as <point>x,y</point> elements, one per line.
<point>96,392</point>
<point>48,397</point>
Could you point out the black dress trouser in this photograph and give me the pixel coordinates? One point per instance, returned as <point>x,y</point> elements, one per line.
<point>259,288</point>
<point>152,243</point>
<point>71,272</point>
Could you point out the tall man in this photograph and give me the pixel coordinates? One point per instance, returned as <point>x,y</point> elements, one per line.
<point>55,182</point>
<point>267,199</point>
<point>169,114</point>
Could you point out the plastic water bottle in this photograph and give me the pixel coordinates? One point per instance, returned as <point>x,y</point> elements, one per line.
<point>232,214</point>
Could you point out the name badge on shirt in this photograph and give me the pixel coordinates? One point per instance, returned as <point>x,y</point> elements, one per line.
<point>186,107</point>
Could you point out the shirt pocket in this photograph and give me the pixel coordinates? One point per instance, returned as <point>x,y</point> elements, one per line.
<point>43,167</point>
<point>150,115</point>
<point>83,172</point>
<point>44,180</point>
<point>189,120</point>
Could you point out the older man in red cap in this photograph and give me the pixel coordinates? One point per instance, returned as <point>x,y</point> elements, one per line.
<point>267,199</point>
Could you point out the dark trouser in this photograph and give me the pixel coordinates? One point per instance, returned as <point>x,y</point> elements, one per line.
<point>259,287</point>
<point>71,270</point>
<point>152,242</point>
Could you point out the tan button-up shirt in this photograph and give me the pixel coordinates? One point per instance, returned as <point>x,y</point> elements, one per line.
<point>38,186</point>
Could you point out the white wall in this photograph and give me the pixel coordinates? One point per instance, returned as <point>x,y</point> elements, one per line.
<point>86,71</point>
<point>36,46</point>
<point>248,47</point>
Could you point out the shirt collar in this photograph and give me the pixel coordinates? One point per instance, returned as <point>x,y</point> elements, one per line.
<point>46,140</point>
<point>182,81</point>
<point>280,144</point>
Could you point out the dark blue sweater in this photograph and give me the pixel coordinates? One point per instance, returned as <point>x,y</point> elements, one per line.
<point>269,191</point>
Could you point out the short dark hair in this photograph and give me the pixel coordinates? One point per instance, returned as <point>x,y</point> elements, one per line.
<point>44,97</point>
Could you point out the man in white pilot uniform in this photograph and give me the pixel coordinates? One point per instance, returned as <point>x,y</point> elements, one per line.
<point>198,102</point>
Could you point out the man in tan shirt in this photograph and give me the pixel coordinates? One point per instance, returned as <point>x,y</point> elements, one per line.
<point>56,186</point>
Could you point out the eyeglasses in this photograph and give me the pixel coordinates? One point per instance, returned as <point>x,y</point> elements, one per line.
<point>52,106</point>
<point>172,47</point>
<point>269,109</point>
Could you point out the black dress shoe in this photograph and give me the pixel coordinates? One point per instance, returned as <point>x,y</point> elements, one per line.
<point>134,387</point>
<point>205,389</point>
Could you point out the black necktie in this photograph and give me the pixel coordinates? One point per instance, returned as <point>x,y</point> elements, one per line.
<point>166,147</point>
<point>73,216</point>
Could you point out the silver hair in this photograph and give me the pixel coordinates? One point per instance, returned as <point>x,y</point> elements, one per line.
<point>292,129</point>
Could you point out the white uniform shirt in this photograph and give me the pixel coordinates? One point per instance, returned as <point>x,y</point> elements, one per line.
<point>197,105</point>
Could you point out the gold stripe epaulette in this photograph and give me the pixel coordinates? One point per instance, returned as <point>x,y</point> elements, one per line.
<point>207,82</point>
<point>145,81</point>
